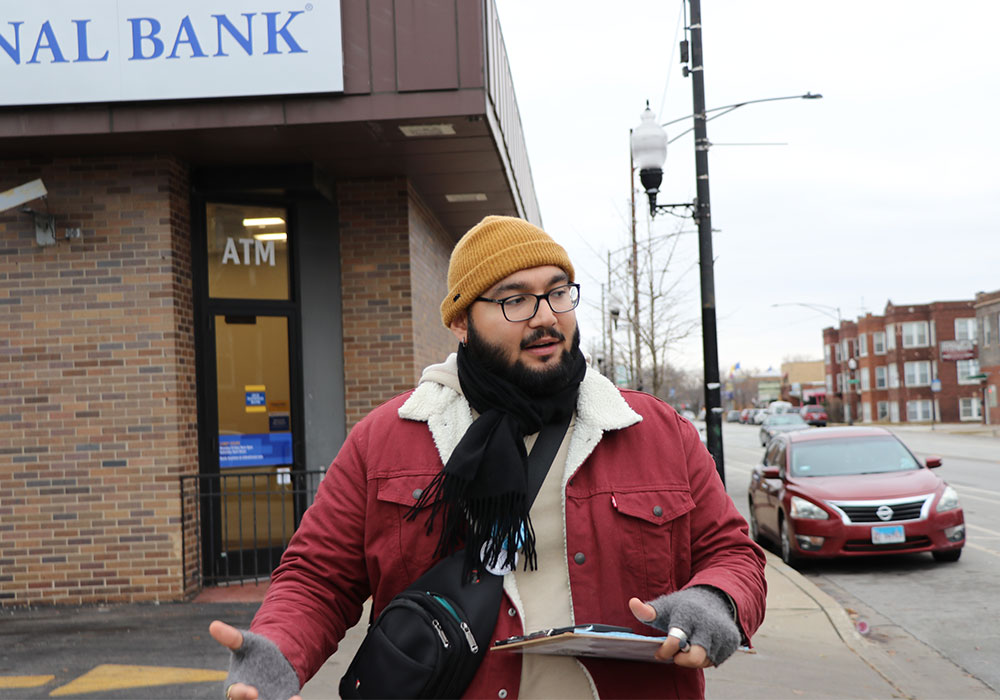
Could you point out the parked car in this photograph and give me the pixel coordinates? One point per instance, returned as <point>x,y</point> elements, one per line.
<point>759,414</point>
<point>780,423</point>
<point>733,416</point>
<point>814,415</point>
<point>780,407</point>
<point>845,492</point>
<point>745,415</point>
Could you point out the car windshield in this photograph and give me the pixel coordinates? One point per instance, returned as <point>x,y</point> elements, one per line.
<point>861,455</point>
<point>785,419</point>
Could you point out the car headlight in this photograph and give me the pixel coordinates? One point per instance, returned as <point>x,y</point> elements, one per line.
<point>949,500</point>
<point>801,508</point>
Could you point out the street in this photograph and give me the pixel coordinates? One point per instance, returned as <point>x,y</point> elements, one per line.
<point>910,600</point>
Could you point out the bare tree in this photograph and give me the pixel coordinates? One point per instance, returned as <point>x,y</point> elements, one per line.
<point>661,321</point>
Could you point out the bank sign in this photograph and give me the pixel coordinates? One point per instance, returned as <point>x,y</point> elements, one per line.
<point>68,51</point>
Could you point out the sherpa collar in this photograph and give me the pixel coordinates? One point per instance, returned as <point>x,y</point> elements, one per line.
<point>437,402</point>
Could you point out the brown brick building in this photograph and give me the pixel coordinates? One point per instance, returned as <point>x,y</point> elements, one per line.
<point>987,306</point>
<point>218,285</point>
<point>913,363</point>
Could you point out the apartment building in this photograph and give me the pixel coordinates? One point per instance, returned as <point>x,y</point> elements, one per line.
<point>912,363</point>
<point>987,306</point>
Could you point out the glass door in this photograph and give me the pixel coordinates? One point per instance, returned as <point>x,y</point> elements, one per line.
<point>251,446</point>
<point>254,437</point>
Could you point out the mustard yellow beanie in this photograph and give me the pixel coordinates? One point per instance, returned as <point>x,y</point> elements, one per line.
<point>492,249</point>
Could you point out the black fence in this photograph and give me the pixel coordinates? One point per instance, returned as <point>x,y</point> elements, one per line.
<point>237,525</point>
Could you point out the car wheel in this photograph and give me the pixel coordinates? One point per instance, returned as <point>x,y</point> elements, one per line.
<point>752,522</point>
<point>947,555</point>
<point>787,553</point>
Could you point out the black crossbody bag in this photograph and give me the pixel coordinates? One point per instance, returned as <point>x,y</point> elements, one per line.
<point>429,641</point>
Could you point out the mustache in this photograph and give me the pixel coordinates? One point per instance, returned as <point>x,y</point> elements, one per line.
<point>541,334</point>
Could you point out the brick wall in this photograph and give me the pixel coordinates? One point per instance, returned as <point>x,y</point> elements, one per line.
<point>430,251</point>
<point>394,266</point>
<point>97,384</point>
<point>377,303</point>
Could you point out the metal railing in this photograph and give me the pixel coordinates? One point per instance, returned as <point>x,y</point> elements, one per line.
<point>237,525</point>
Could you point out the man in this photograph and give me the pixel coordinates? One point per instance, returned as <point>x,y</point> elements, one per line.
<point>631,509</point>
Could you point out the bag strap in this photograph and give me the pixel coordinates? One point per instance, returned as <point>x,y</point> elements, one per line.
<point>542,454</point>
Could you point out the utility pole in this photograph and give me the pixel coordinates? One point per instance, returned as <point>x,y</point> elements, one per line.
<point>635,275</point>
<point>703,212</point>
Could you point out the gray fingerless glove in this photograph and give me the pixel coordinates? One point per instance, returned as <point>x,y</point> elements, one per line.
<point>705,615</point>
<point>259,662</point>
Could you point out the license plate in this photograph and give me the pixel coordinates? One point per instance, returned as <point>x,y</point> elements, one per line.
<point>888,534</point>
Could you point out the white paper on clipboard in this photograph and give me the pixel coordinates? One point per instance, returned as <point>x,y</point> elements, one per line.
<point>583,642</point>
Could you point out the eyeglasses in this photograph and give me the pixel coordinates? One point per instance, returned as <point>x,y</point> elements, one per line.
<point>520,307</point>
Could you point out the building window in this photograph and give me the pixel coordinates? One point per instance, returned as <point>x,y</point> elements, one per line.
<point>865,383</point>
<point>840,382</point>
<point>987,331</point>
<point>883,410</point>
<point>878,343</point>
<point>826,354</point>
<point>918,410</point>
<point>967,368</point>
<point>881,378</point>
<point>970,409</point>
<point>863,345</point>
<point>915,334</point>
<point>965,329</point>
<point>845,350</point>
<point>893,376</point>
<point>893,412</point>
<point>866,412</point>
<point>917,373</point>
<point>836,352</point>
<point>829,383</point>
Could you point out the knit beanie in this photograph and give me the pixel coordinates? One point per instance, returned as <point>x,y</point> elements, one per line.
<point>494,248</point>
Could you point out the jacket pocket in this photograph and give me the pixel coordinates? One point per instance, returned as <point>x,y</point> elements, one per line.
<point>656,536</point>
<point>403,490</point>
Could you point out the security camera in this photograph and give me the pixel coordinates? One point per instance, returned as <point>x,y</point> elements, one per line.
<point>21,195</point>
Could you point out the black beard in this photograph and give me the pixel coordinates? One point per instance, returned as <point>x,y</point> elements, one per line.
<point>533,382</point>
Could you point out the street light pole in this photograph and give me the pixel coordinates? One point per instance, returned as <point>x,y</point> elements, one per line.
<point>703,214</point>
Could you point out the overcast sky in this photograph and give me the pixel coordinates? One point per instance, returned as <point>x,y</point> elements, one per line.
<point>886,189</point>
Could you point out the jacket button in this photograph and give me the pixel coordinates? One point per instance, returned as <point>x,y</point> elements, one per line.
<point>417,493</point>
<point>502,694</point>
<point>511,611</point>
<point>657,511</point>
<point>579,558</point>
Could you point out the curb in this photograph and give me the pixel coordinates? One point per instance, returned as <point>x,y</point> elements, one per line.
<point>839,620</point>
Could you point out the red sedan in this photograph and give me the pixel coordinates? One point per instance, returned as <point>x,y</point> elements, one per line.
<point>840,492</point>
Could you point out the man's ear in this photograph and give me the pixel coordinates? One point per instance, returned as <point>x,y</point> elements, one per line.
<point>460,326</point>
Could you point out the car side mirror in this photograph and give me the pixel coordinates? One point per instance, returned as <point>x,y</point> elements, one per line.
<point>771,472</point>
<point>933,462</point>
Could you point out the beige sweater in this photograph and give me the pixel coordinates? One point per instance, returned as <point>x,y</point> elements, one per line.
<point>542,595</point>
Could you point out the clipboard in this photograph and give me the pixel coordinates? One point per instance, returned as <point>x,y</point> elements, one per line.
<point>597,641</point>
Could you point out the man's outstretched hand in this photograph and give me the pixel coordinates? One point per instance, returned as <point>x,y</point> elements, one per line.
<point>231,638</point>
<point>694,657</point>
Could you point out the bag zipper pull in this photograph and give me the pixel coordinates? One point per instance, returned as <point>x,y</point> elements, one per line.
<point>469,638</point>
<point>441,634</point>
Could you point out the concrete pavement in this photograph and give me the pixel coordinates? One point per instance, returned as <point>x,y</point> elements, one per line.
<point>808,647</point>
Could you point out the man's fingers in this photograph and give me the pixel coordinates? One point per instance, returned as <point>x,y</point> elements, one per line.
<point>226,635</point>
<point>644,612</point>
<point>695,657</point>
<point>241,691</point>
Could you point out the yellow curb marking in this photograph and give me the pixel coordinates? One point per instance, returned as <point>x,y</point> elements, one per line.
<point>24,681</point>
<point>115,677</point>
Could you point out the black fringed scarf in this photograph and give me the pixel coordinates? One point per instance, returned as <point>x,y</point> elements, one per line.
<point>481,495</point>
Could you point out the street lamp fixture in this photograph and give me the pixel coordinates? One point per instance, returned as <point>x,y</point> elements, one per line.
<point>852,365</point>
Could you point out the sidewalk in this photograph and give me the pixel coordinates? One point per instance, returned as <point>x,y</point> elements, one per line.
<point>808,647</point>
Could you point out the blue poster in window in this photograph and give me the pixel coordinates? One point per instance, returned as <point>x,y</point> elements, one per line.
<point>255,450</point>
